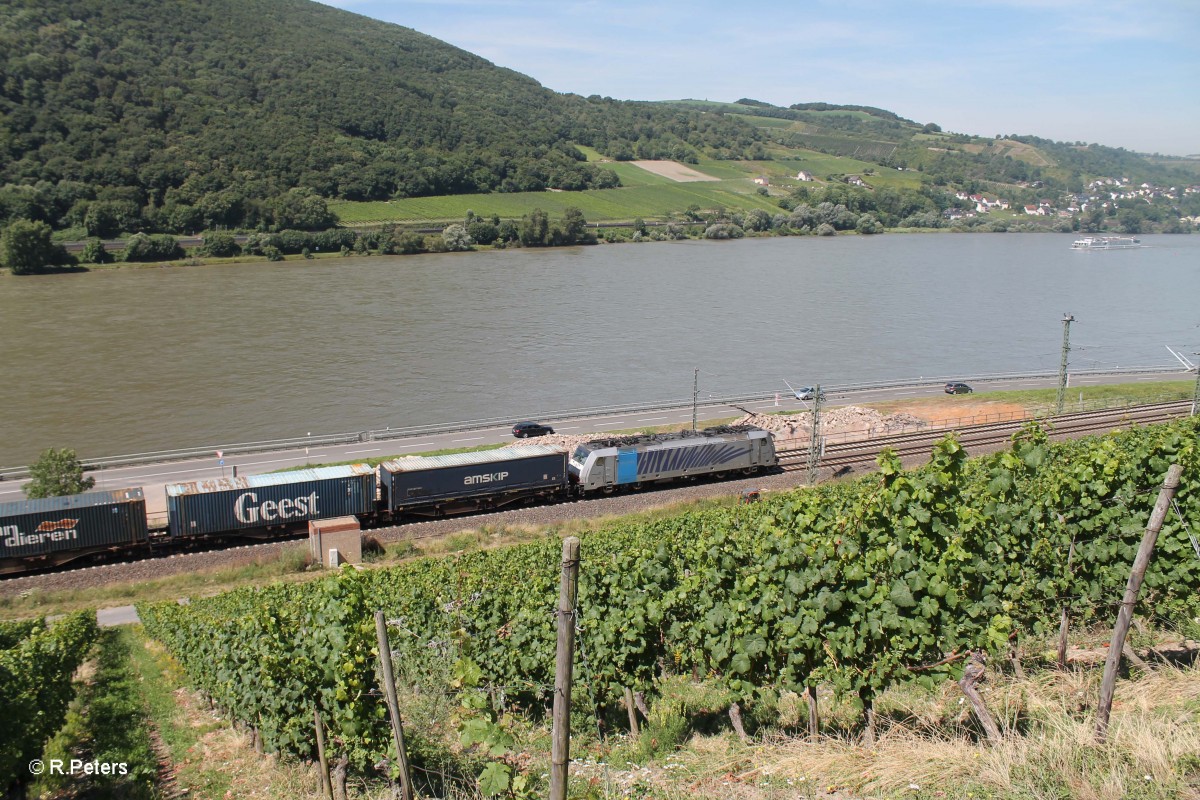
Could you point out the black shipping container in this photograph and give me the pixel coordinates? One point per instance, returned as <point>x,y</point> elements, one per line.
<point>75,523</point>
<point>418,481</point>
<point>276,499</point>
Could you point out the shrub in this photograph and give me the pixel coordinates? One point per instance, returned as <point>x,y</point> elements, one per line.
<point>221,245</point>
<point>152,247</point>
<point>868,224</point>
<point>455,238</point>
<point>723,230</point>
<point>483,233</point>
<point>94,253</point>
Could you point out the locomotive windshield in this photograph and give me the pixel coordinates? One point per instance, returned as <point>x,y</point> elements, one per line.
<point>580,455</point>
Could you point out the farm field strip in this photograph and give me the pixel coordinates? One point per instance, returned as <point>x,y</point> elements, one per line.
<point>597,205</point>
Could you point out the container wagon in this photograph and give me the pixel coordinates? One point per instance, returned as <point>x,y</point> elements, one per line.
<point>54,530</point>
<point>264,502</point>
<point>632,461</point>
<point>435,486</point>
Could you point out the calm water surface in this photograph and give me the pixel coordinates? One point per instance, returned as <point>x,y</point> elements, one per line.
<point>133,360</point>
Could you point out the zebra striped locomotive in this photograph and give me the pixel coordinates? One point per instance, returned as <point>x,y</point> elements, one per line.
<point>634,461</point>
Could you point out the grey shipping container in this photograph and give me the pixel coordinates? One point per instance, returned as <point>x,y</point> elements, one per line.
<point>278,499</point>
<point>54,530</point>
<point>463,481</point>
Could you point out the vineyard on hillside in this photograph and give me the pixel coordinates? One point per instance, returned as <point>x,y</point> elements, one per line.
<point>858,586</point>
<point>37,663</point>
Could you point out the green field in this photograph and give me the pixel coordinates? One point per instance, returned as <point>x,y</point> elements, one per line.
<point>641,194</point>
<point>657,197</point>
<point>726,170</point>
<point>820,165</point>
<point>773,122</point>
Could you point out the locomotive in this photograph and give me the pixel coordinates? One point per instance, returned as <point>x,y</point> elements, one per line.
<point>55,531</point>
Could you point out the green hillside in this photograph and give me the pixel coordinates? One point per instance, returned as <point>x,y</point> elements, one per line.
<point>180,115</point>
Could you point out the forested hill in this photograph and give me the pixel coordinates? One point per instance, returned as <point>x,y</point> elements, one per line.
<point>198,109</point>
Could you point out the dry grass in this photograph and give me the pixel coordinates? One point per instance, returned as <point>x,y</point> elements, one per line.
<point>927,747</point>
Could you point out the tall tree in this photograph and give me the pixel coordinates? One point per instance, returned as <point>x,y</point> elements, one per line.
<point>57,473</point>
<point>574,226</point>
<point>535,228</point>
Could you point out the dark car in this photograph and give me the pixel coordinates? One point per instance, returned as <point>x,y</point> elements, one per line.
<point>523,430</point>
<point>958,388</point>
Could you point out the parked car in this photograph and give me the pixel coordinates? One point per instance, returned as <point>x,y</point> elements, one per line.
<point>958,388</point>
<point>523,430</point>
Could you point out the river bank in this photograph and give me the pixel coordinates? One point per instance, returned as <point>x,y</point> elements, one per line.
<point>368,239</point>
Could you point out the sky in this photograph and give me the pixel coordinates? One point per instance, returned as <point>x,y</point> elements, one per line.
<point>1121,73</point>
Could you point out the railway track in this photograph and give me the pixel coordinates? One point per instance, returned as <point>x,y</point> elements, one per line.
<point>907,445</point>
<point>838,459</point>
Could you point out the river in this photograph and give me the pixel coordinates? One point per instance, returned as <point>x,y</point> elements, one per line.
<point>125,361</point>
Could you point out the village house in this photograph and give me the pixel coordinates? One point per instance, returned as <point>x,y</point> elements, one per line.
<point>804,176</point>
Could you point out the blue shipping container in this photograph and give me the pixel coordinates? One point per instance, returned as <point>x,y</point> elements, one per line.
<point>85,522</point>
<point>277,499</point>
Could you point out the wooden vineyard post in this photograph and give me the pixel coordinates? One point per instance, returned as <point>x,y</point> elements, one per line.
<point>563,669</point>
<point>632,709</point>
<point>326,785</point>
<point>971,675</point>
<point>639,700</point>
<point>814,721</point>
<point>389,686</point>
<point>735,716</point>
<point>1132,588</point>
<point>1064,623</point>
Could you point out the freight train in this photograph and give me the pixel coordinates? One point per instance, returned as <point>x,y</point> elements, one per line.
<point>35,534</point>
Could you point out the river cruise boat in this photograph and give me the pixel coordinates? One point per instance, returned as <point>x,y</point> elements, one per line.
<point>1106,243</point>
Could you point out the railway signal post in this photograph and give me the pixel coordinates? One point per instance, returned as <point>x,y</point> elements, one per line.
<point>1196,392</point>
<point>814,445</point>
<point>1062,366</point>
